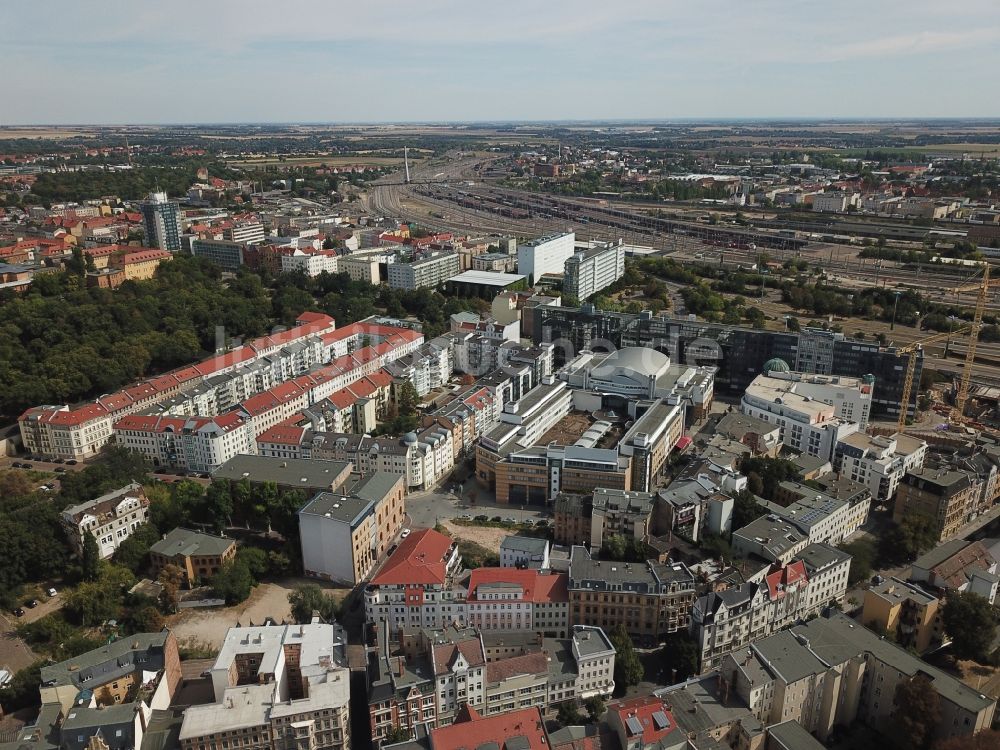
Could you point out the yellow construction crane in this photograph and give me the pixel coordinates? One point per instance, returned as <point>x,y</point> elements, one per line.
<point>982,287</point>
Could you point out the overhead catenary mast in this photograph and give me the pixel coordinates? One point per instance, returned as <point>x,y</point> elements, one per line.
<point>406,163</point>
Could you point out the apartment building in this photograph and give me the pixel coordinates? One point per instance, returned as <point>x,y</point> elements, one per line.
<point>589,520</point>
<point>107,697</point>
<point>310,262</point>
<point>832,672</point>
<point>905,612</point>
<point>594,268</point>
<point>200,444</point>
<point>942,495</point>
<point>199,556</point>
<point>959,565</point>
<point>821,517</point>
<point>80,432</point>
<point>425,678</point>
<point>161,219</point>
<point>879,462</point>
<point>650,599</point>
<point>727,620</point>
<point>287,474</point>
<point>245,232</point>
<point>517,599</point>
<point>546,254</point>
<point>276,687</point>
<point>416,585</point>
<point>343,534</point>
<point>807,424</point>
<point>427,273</point>
<point>523,730</point>
<point>110,519</point>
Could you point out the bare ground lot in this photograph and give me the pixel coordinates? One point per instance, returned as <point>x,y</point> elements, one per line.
<point>209,626</point>
<point>487,536</point>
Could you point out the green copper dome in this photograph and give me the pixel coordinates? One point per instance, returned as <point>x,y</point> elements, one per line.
<point>776,365</point>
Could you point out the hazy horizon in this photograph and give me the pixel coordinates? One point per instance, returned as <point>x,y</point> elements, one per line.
<point>444,62</point>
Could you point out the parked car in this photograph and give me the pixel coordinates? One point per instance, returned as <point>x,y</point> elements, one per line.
<point>405,533</point>
<point>72,461</point>
<point>60,470</point>
<point>51,591</point>
<point>508,519</point>
<point>18,611</point>
<point>25,466</point>
<point>16,465</point>
<point>31,603</point>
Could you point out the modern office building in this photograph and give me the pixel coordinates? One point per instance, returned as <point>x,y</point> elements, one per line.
<point>430,272</point>
<point>739,353</point>
<point>485,284</point>
<point>226,254</point>
<point>161,219</point>
<point>546,254</point>
<point>590,270</point>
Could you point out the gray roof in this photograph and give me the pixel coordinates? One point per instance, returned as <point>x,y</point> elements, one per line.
<point>820,556</point>
<point>775,536</point>
<point>785,656</point>
<point>940,553</point>
<point>186,542</point>
<point>839,638</point>
<point>529,544</point>
<point>357,503</point>
<point>736,425</point>
<point>114,495</point>
<point>608,575</point>
<point>790,735</point>
<point>102,663</point>
<point>288,472</point>
<point>636,358</point>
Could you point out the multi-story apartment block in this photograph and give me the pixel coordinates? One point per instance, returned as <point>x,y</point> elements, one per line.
<point>199,556</point>
<point>726,620</point>
<point>245,232</point>
<point>832,672</point>
<point>161,219</point>
<point>426,273</point>
<point>415,587</point>
<point>428,368</point>
<point>517,599</point>
<point>547,254</point>
<point>589,520</point>
<point>590,270</point>
<point>807,424</point>
<point>110,519</point>
<point>343,534</point>
<point>424,678</point>
<point>942,495</point>
<point>819,516</point>
<point>107,697</point>
<point>904,611</point>
<point>195,443</point>
<point>650,599</point>
<point>276,687</point>
<point>879,462</point>
<point>80,432</point>
<point>310,262</point>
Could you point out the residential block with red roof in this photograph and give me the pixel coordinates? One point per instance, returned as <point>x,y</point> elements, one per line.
<point>517,599</point>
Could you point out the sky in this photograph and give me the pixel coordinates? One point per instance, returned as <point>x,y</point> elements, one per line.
<point>213,61</point>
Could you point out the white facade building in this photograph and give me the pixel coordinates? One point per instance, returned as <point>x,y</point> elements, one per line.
<point>547,254</point>
<point>878,462</point>
<point>110,519</point>
<point>592,269</point>
<point>311,263</point>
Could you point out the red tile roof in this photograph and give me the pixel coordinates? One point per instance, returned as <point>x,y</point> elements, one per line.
<point>642,709</point>
<point>779,581</point>
<point>283,434</point>
<point>533,663</point>
<point>537,586</point>
<point>470,730</point>
<point>421,559</point>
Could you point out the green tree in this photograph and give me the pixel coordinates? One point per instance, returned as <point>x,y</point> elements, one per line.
<point>396,734</point>
<point>595,706</point>
<point>256,561</point>
<point>568,714</point>
<point>217,507</point>
<point>233,582</point>
<point>147,619</point>
<point>628,668</point>
<point>613,547</point>
<point>914,535</point>
<point>133,552</point>
<point>863,553</point>
<point>305,600</point>
<point>971,623</point>
<point>679,657</point>
<point>746,508</point>
<point>171,579</point>
<point>918,711</point>
<point>90,560</point>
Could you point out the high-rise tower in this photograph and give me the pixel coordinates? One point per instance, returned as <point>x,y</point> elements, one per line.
<point>161,219</point>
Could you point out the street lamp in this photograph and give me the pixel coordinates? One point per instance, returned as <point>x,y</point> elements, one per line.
<point>892,326</point>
